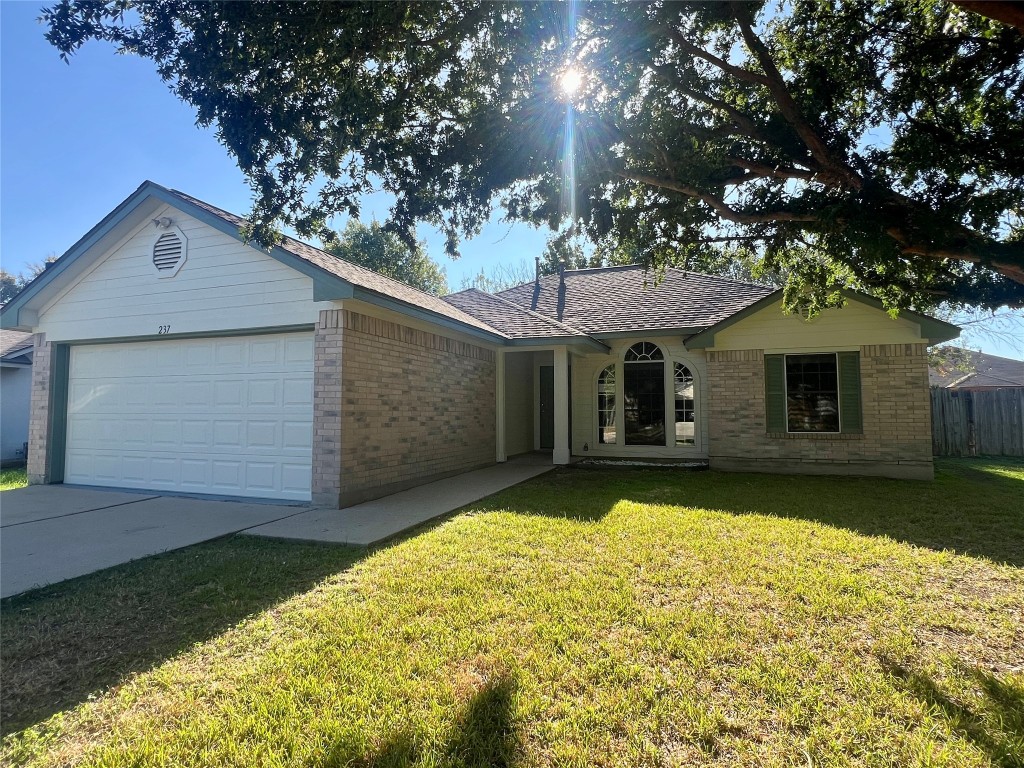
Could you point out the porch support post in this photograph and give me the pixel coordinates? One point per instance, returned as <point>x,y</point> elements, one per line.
<point>561,453</point>
<point>499,406</point>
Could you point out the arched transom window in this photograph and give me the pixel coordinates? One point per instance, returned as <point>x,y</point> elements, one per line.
<point>646,400</point>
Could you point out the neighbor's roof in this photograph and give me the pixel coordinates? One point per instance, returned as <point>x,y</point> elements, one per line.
<point>966,368</point>
<point>353,273</point>
<point>14,343</point>
<point>623,299</point>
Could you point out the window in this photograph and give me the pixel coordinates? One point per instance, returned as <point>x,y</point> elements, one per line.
<point>646,400</point>
<point>813,393</point>
<point>685,423</point>
<point>606,406</point>
<point>643,395</point>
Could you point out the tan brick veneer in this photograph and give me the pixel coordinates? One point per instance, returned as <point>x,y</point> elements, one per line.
<point>405,406</point>
<point>39,417</point>
<point>897,419</point>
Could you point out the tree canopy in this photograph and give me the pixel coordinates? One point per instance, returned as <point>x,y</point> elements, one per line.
<point>858,142</point>
<point>373,247</point>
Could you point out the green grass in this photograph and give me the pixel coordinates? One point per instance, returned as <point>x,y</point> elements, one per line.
<point>588,617</point>
<point>12,478</point>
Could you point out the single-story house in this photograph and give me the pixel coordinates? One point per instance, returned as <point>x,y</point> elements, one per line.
<point>15,393</point>
<point>959,368</point>
<point>173,356</point>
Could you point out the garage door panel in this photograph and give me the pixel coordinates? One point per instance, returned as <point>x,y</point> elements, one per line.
<point>230,416</point>
<point>264,393</point>
<point>297,393</point>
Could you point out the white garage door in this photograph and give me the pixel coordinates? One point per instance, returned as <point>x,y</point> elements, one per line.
<point>230,416</point>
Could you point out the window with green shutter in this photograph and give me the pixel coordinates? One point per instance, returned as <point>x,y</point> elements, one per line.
<point>813,393</point>
<point>775,392</point>
<point>849,393</point>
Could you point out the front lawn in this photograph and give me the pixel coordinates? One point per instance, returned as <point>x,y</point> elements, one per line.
<point>588,617</point>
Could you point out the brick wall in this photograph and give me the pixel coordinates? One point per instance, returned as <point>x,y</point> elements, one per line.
<point>897,419</point>
<point>39,417</point>
<point>327,345</point>
<point>413,405</point>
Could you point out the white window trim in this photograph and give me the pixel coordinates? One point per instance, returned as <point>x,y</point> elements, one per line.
<point>619,447</point>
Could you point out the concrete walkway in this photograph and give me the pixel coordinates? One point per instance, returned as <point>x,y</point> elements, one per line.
<point>383,518</point>
<point>49,533</point>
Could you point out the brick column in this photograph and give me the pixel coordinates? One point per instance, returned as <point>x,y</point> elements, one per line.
<point>327,342</point>
<point>39,416</point>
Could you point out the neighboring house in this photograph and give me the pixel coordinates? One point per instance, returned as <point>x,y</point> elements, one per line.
<point>172,356</point>
<point>968,369</point>
<point>15,392</point>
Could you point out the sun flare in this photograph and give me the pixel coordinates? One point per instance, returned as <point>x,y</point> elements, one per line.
<point>570,81</point>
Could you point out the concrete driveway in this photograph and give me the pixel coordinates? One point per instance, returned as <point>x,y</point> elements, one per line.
<point>49,533</point>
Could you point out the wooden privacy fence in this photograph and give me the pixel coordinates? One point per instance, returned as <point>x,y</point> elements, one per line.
<point>984,422</point>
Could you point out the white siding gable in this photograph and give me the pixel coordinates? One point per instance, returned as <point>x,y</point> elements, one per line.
<point>223,285</point>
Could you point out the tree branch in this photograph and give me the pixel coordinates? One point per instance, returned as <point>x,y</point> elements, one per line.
<point>777,86</point>
<point>719,206</point>
<point>774,172</point>
<point>737,72</point>
<point>742,121</point>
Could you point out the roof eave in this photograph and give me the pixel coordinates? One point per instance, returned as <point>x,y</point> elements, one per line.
<point>672,331</point>
<point>547,341</point>
<point>706,338</point>
<point>420,313</point>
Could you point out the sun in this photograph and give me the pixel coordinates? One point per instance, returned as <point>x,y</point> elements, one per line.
<point>570,81</point>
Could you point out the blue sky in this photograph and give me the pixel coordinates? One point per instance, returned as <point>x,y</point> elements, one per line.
<point>75,140</point>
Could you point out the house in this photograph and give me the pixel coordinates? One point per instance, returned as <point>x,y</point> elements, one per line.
<point>961,368</point>
<point>172,356</point>
<point>15,391</point>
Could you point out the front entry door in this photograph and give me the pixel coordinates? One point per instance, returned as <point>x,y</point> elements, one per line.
<point>547,407</point>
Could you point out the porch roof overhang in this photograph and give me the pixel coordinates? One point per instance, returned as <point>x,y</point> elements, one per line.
<point>585,343</point>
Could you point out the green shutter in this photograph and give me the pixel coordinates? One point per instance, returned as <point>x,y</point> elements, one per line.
<point>775,393</point>
<point>849,393</point>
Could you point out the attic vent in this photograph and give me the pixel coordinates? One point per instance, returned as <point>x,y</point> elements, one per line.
<point>169,252</point>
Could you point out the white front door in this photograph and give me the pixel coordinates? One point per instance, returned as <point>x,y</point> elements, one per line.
<point>230,415</point>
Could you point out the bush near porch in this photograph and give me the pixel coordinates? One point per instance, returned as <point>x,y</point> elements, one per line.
<point>588,617</point>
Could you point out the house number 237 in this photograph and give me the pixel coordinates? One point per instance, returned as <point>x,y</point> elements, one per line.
<point>163,329</point>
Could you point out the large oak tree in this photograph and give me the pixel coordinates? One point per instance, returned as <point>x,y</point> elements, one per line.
<point>862,142</point>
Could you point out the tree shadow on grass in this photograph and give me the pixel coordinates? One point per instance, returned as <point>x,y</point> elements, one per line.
<point>968,508</point>
<point>995,726</point>
<point>67,641</point>
<point>483,736</point>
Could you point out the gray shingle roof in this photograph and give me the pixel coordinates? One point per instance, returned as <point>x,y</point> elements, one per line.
<point>353,273</point>
<point>14,343</point>
<point>616,299</point>
<point>514,321</point>
<point>966,368</point>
